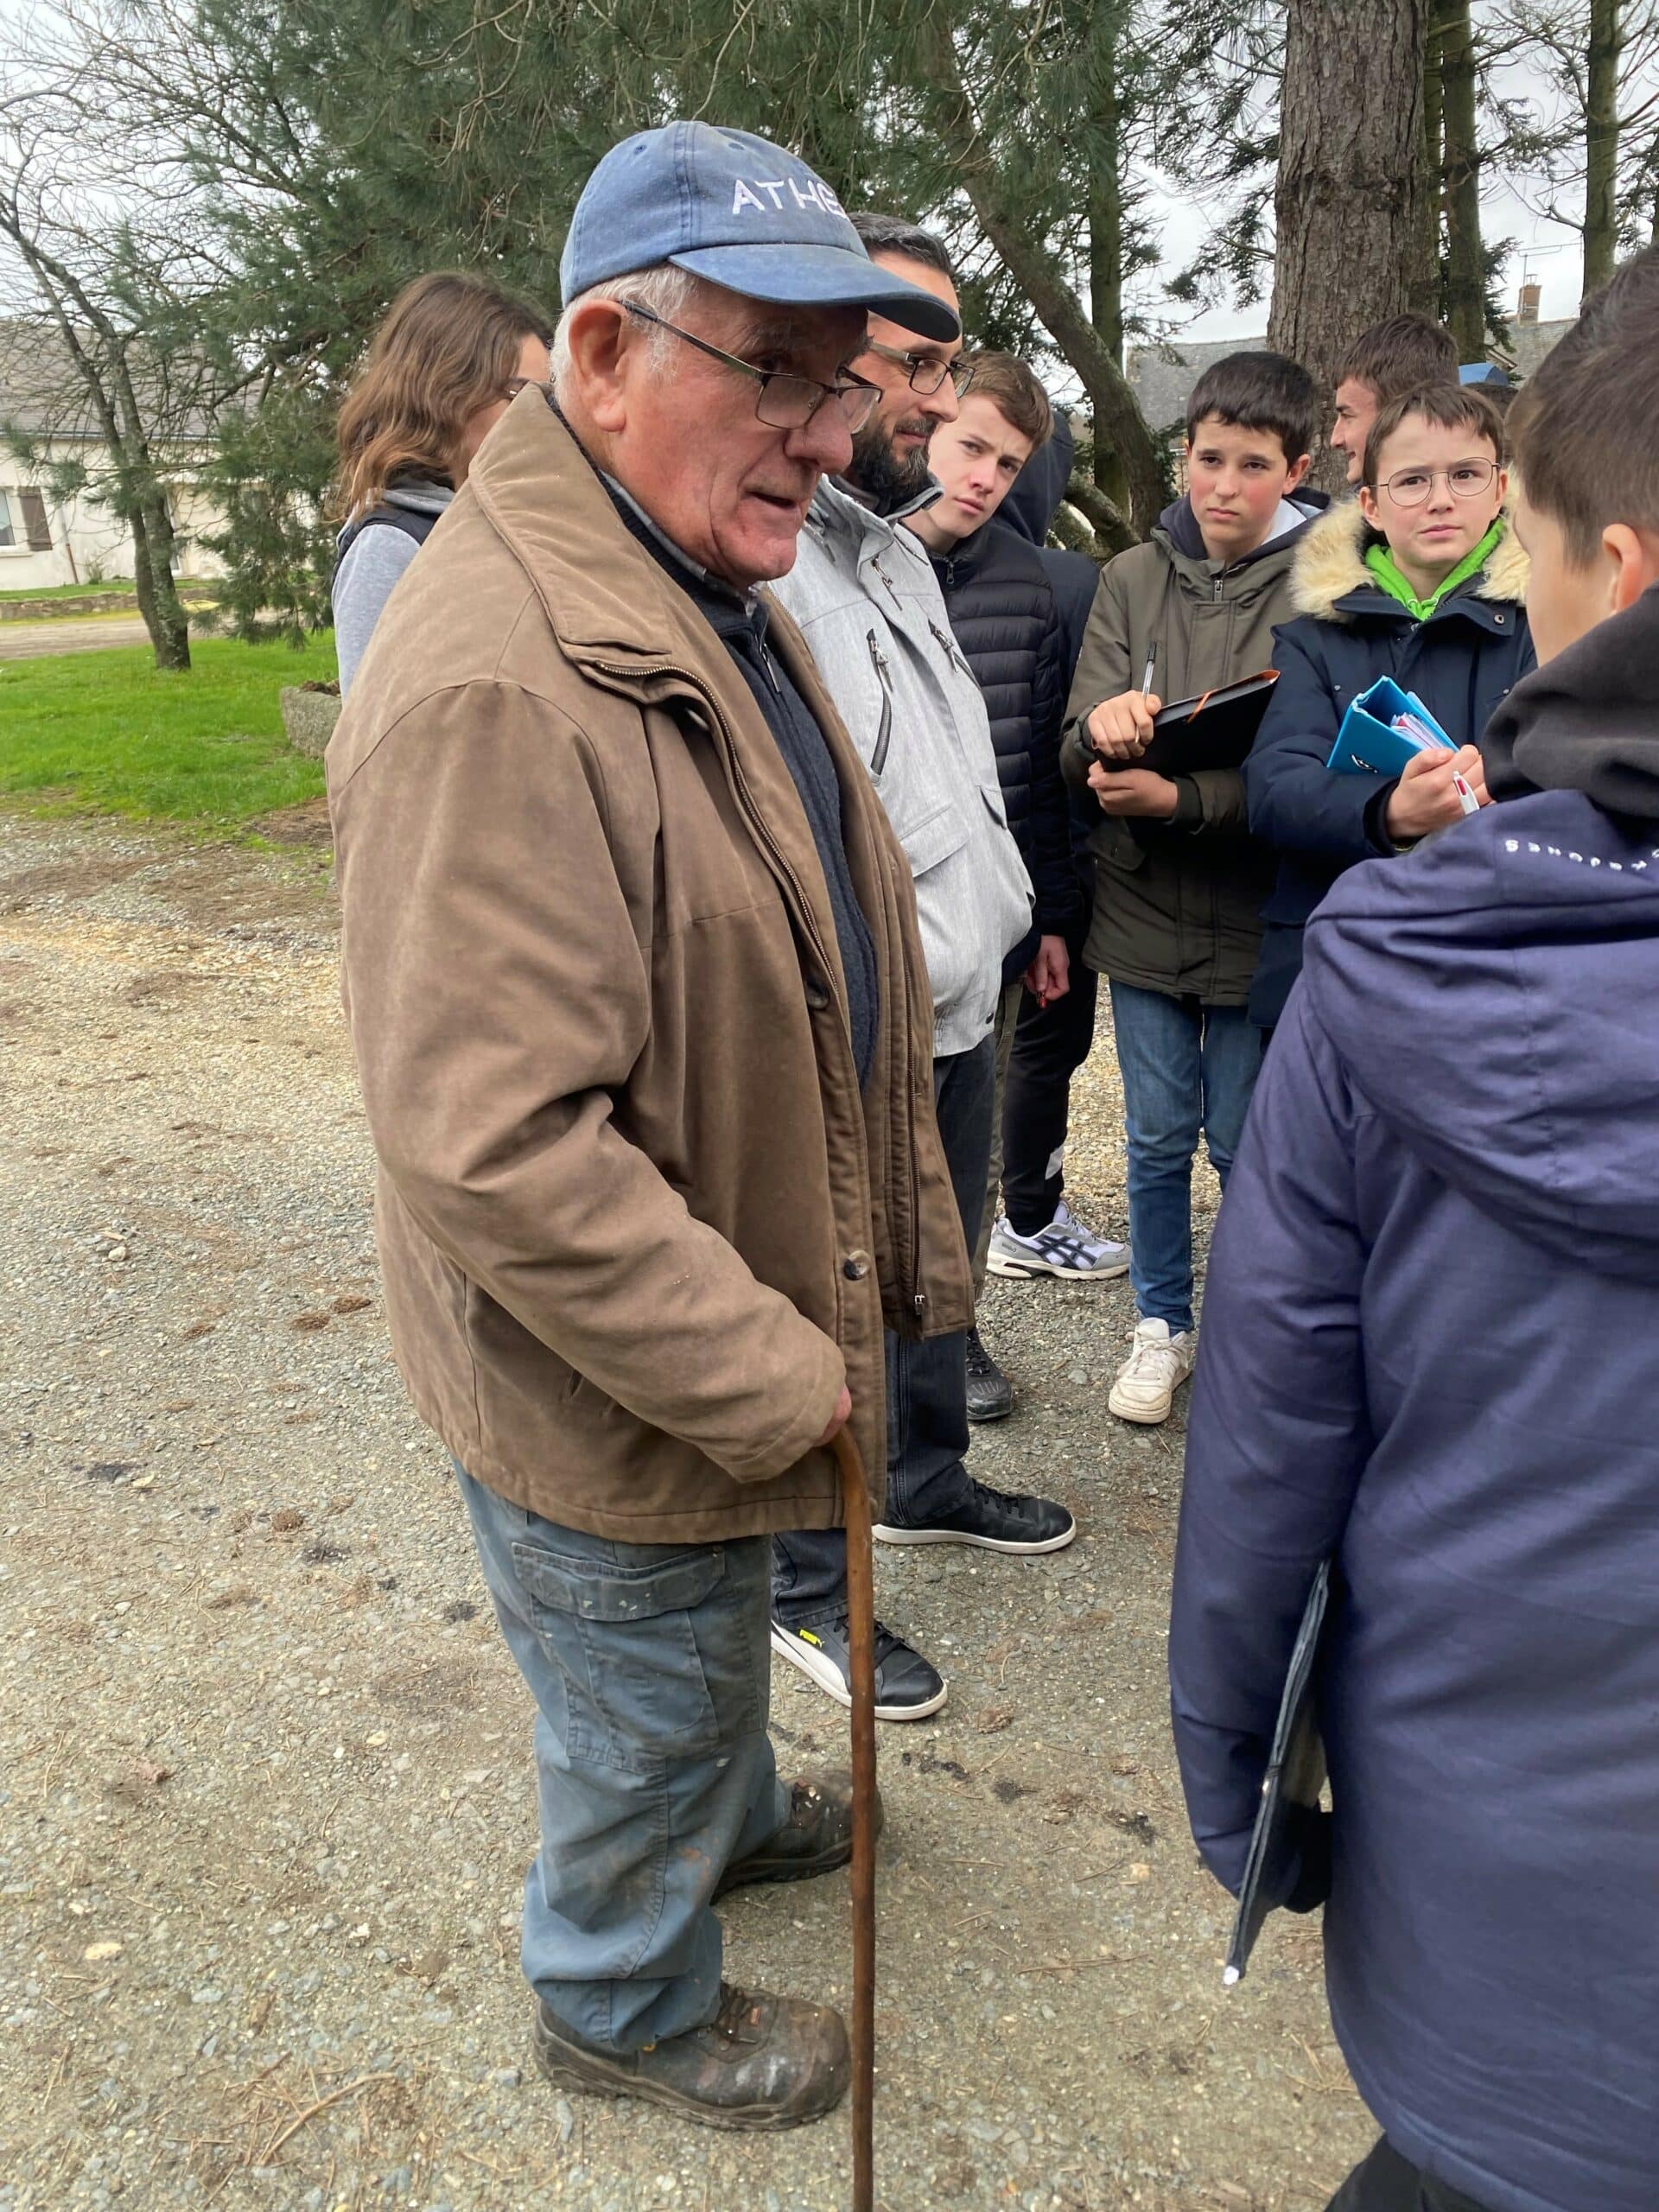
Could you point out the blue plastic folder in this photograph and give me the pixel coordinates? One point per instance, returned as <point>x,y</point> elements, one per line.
<point>1368,745</point>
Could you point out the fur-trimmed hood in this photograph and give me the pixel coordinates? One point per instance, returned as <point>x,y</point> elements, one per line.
<point>1331,563</point>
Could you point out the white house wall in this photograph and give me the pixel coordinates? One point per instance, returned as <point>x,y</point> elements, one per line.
<point>87,540</point>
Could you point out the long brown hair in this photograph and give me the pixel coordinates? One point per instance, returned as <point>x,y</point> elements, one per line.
<point>448,344</point>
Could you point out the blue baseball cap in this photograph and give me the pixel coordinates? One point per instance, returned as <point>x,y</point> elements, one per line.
<point>743,213</point>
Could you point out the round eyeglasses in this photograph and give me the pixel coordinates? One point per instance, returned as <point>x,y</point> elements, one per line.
<point>783,401</point>
<point>1464,479</point>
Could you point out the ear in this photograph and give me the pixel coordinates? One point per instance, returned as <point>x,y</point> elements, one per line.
<point>1297,471</point>
<point>1368,508</point>
<point>599,337</point>
<point>1633,556</point>
<point>1502,487</point>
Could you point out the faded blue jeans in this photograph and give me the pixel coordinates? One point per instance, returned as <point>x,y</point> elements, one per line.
<point>651,1670</point>
<point>1187,1069</point>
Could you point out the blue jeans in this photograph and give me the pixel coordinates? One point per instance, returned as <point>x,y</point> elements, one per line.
<point>651,1675</point>
<point>1188,1070</point>
<point>927,1383</point>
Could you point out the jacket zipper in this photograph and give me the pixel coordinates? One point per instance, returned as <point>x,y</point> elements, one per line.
<point>884,733</point>
<point>906,1263</point>
<point>952,650</point>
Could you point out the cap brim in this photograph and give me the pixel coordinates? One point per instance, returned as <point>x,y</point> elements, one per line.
<point>821,276</point>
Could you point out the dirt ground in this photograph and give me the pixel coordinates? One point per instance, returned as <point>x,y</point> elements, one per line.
<point>267,1797</point>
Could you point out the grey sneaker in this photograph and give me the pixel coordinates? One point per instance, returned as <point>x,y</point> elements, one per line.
<point>761,2061</point>
<point>1067,1248</point>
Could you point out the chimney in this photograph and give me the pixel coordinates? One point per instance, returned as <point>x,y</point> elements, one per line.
<point>1531,294</point>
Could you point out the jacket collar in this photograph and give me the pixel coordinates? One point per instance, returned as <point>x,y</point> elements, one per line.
<point>1331,581</point>
<point>614,607</point>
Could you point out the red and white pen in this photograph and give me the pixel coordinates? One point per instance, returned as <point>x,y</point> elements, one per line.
<point>1466,798</point>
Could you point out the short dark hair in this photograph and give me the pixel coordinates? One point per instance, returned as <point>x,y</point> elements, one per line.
<point>1259,391</point>
<point>1584,423</point>
<point>1449,406</point>
<point>1403,353</point>
<point>1012,389</point>
<point>894,234</point>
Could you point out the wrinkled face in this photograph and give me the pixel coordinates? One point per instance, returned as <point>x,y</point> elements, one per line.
<point>1235,480</point>
<point>1462,490</point>
<point>681,435</point>
<point>533,365</point>
<point>891,462</point>
<point>1357,409</point>
<point>975,459</point>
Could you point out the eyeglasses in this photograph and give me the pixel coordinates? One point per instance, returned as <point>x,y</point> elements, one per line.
<point>926,371</point>
<point>783,401</point>
<point>1466,479</point>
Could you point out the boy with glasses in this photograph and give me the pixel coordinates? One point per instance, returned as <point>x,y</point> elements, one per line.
<point>1421,579</point>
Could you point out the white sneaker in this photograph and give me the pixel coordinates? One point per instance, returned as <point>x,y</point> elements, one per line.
<point>1067,1246</point>
<point>1154,1370</point>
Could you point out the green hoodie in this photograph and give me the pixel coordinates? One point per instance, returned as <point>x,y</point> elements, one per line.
<point>1382,566</point>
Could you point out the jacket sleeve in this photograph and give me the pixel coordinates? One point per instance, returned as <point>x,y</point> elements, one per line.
<point>1296,803</point>
<point>1102,670</point>
<point>497,979</point>
<point>1278,1432</point>
<point>1053,872</point>
<point>1210,802</point>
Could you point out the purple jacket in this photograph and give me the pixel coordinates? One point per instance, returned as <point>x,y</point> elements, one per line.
<point>1431,1349</point>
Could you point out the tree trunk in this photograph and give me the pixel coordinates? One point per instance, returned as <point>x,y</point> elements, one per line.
<point>1035,269</point>
<point>1423,291</point>
<point>1347,201</point>
<point>1466,272</point>
<point>1601,143</point>
<point>1106,219</point>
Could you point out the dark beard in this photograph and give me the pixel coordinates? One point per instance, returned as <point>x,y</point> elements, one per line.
<point>885,481</point>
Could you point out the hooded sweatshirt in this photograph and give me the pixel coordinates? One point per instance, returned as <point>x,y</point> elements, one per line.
<point>374,551</point>
<point>1432,1355</point>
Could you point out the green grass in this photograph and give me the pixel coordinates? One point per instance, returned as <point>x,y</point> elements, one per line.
<point>107,733</point>
<point>71,591</point>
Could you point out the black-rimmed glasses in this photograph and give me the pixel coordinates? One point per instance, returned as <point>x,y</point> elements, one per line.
<point>1464,479</point>
<point>926,371</point>
<point>784,402</point>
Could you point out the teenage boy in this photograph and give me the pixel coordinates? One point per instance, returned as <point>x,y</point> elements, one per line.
<point>1179,885</point>
<point>1401,353</point>
<point>1456,1121</point>
<point>1421,579</point>
<point>1005,622</point>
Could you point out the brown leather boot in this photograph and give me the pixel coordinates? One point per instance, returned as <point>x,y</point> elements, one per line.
<point>762,2062</point>
<point>815,1838</point>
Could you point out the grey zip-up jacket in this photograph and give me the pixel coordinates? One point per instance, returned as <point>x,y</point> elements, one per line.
<point>864,595</point>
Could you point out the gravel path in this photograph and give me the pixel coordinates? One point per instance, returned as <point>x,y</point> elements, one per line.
<point>267,1798</point>
<point>70,633</point>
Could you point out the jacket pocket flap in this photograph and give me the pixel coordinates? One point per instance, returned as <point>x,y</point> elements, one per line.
<point>934,838</point>
<point>597,1593</point>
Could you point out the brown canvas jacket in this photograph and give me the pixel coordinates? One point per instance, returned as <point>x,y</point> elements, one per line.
<point>635,1221</point>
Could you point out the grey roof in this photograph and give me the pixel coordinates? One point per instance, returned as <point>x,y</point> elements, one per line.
<point>1161,377</point>
<point>41,393</point>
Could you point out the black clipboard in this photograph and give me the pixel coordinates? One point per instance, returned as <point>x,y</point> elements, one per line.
<point>1215,730</point>
<point>1294,1778</point>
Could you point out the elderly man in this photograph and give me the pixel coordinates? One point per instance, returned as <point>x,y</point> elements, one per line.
<point>633,977</point>
<point>870,607</point>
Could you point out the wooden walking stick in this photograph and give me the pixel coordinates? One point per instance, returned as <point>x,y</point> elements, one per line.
<point>861,1609</point>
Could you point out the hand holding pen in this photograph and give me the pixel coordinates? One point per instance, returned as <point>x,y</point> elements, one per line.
<point>1120,729</point>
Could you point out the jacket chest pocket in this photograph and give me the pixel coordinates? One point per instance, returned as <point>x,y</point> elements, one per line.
<point>883,668</point>
<point>656,1659</point>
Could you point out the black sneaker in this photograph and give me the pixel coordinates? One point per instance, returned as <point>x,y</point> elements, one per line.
<point>906,1688</point>
<point>996,1519</point>
<point>816,1838</point>
<point>761,2061</point>
<point>990,1394</point>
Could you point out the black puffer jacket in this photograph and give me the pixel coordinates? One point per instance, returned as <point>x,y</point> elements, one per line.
<point>1005,618</point>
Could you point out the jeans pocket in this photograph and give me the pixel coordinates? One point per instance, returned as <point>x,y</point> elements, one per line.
<point>626,1640</point>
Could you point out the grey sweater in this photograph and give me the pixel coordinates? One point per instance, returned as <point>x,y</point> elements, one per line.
<point>370,567</point>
